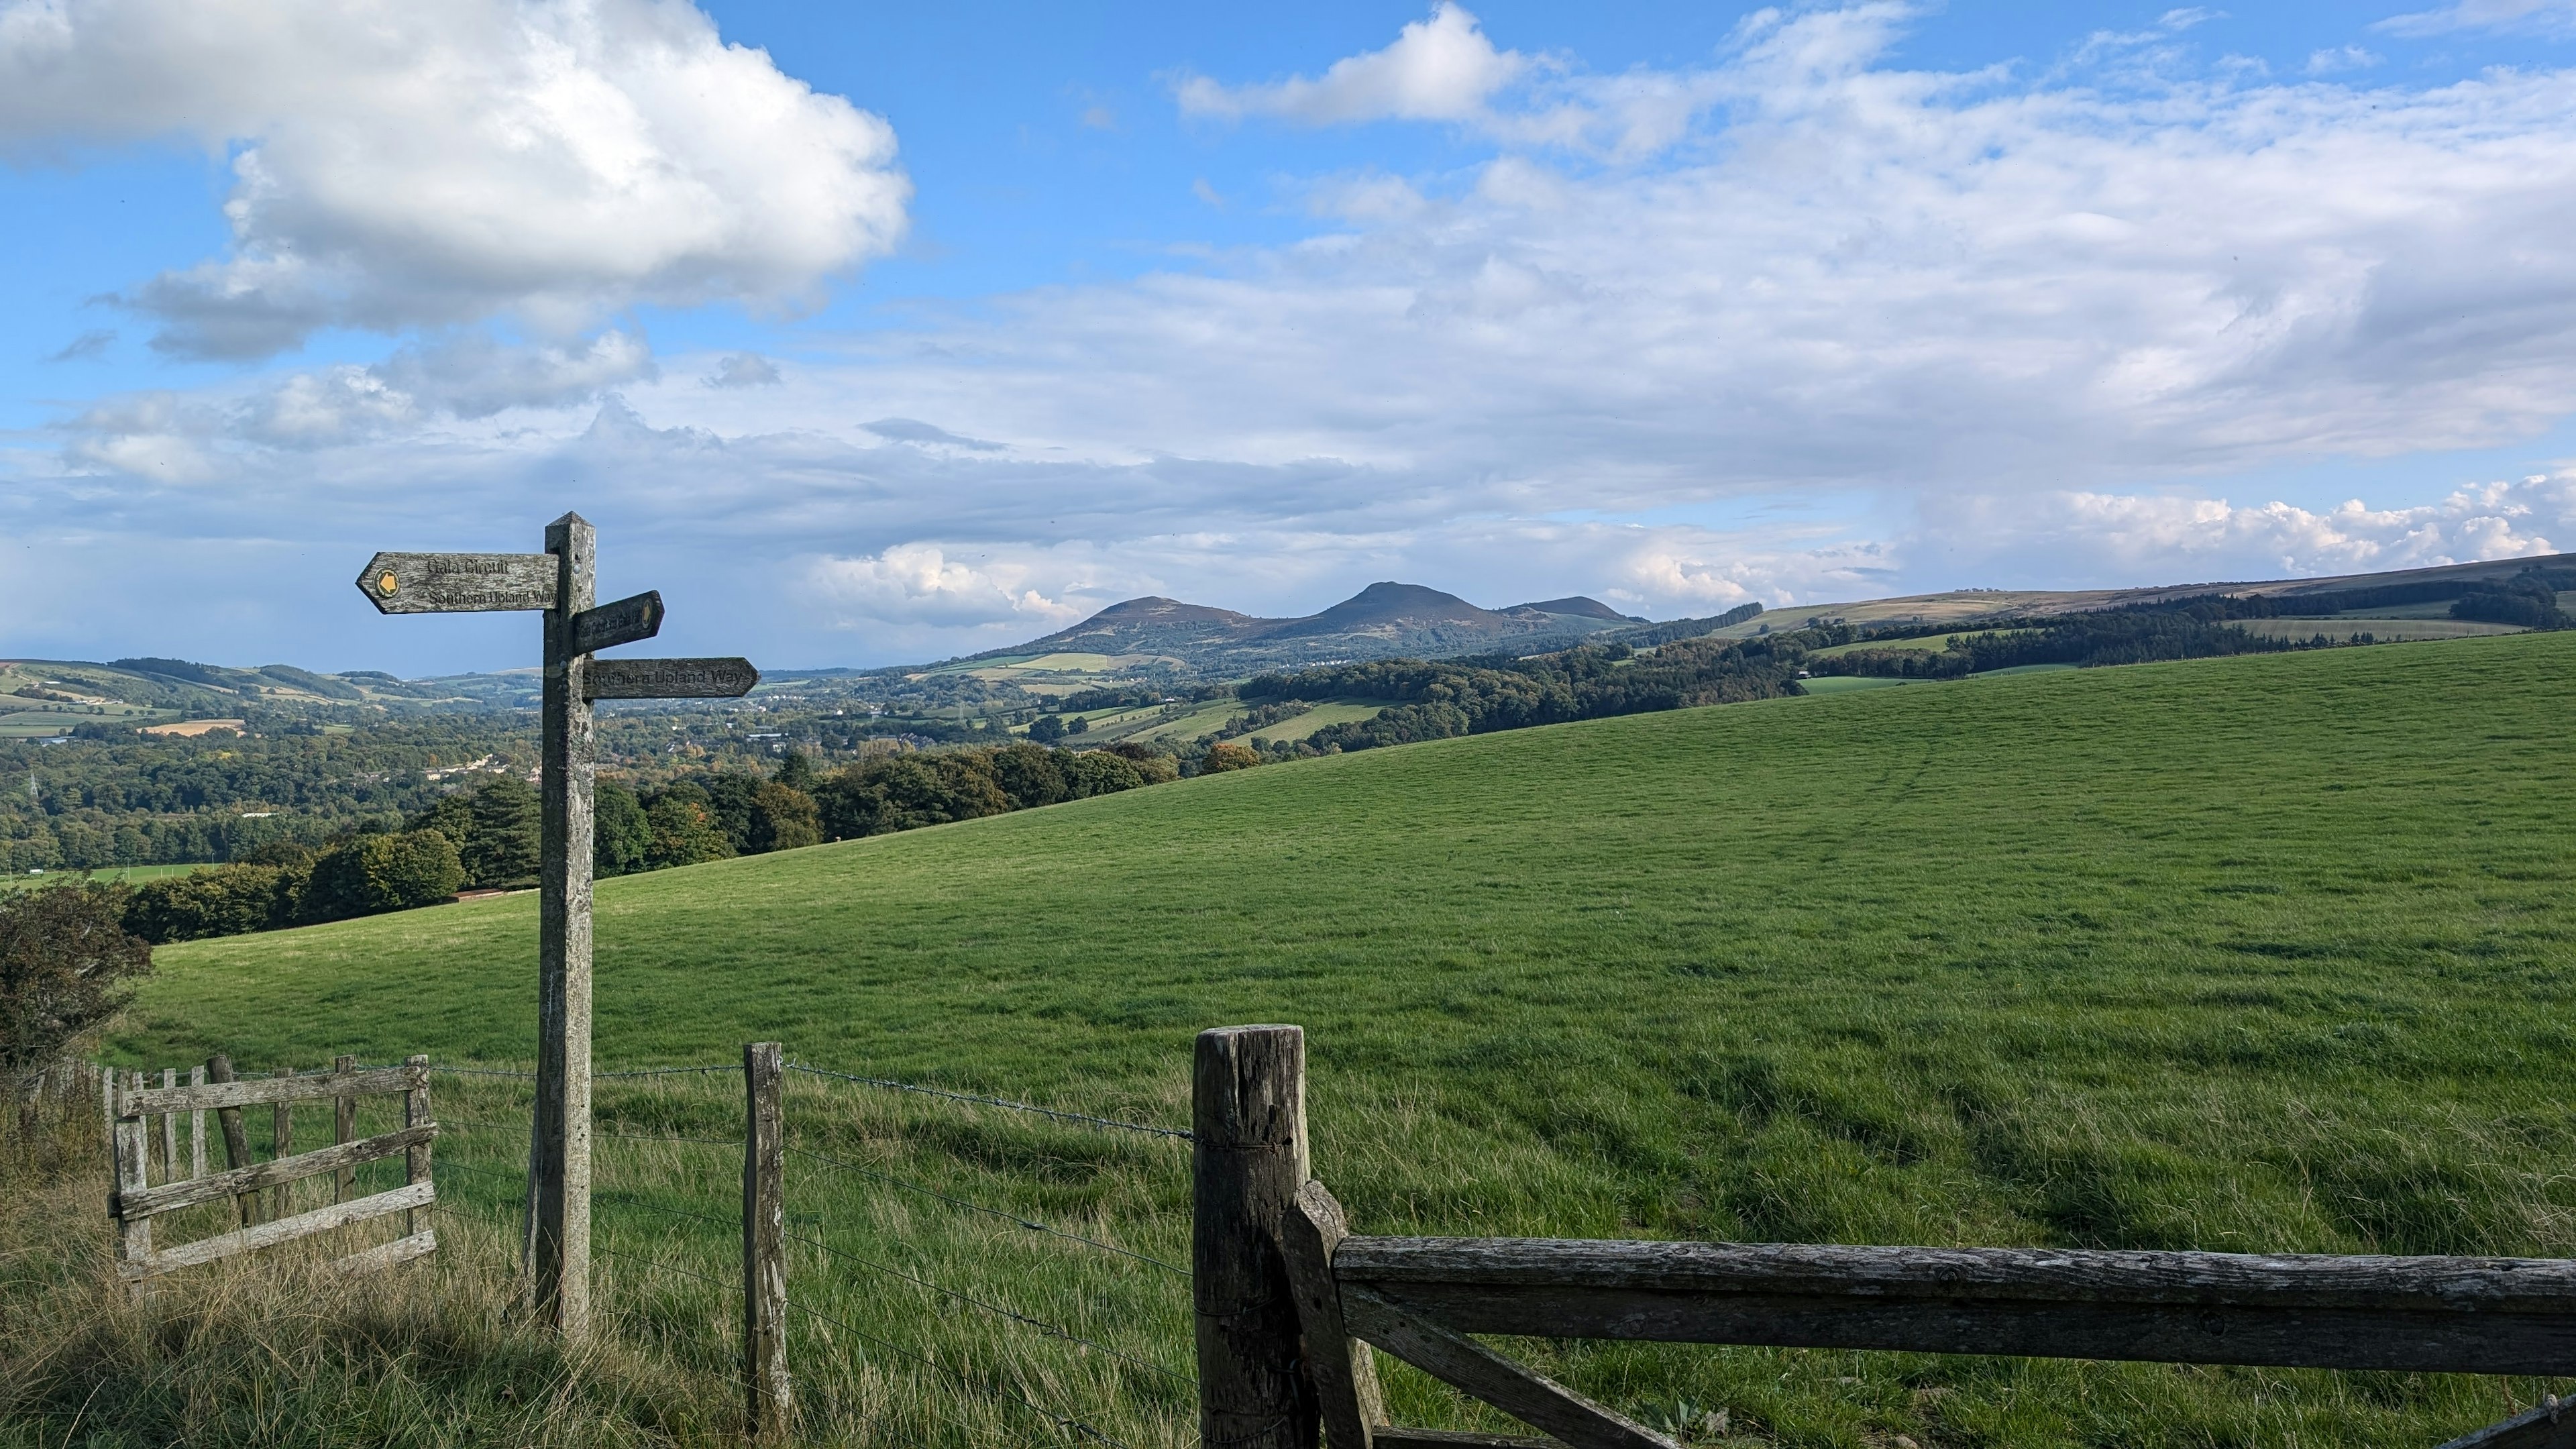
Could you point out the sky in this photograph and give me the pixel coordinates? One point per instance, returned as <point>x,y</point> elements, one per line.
<point>871,333</point>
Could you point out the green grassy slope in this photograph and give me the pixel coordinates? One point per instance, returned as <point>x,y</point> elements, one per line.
<point>2259,953</point>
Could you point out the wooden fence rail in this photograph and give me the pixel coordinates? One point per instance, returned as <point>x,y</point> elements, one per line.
<point>136,1200</point>
<point>1420,1299</point>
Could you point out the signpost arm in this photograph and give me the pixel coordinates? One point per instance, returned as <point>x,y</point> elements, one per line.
<point>563,948</point>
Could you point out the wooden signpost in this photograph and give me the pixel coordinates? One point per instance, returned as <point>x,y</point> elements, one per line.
<point>558,582</point>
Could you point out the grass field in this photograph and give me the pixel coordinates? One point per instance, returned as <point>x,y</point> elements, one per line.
<point>2401,629</point>
<point>131,874</point>
<point>1322,716</point>
<point>2265,953</point>
<point>1826,684</point>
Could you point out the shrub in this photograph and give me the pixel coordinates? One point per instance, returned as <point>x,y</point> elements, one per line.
<point>372,874</point>
<point>224,900</point>
<point>1227,755</point>
<point>1098,772</point>
<point>67,966</point>
<point>783,818</point>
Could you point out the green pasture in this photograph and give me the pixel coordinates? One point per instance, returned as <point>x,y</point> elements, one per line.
<point>1849,683</point>
<point>1322,716</point>
<point>2401,629</point>
<point>2270,953</point>
<point>128,874</point>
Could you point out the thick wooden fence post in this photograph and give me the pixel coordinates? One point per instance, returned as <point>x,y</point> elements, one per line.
<point>219,1068</point>
<point>1247,1162</point>
<point>764,1247</point>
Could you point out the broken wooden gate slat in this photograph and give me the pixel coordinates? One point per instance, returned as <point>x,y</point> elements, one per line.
<point>2550,1426</point>
<point>170,1197</point>
<point>281,1230</point>
<point>259,1090</point>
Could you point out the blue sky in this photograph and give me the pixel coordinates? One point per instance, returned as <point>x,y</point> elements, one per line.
<point>879,333</point>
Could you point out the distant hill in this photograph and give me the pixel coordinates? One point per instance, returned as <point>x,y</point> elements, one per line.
<point>1383,621</point>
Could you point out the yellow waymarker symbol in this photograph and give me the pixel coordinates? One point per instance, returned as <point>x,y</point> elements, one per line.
<point>385,582</point>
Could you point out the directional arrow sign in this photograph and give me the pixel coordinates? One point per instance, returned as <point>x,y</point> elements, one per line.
<point>623,622</point>
<point>669,678</point>
<point>459,583</point>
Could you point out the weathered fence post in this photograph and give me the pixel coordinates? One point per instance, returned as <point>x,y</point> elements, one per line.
<point>764,1246</point>
<point>416,1158</point>
<point>281,1143</point>
<point>170,1129</point>
<point>344,1128</point>
<point>133,1152</point>
<point>197,1129</point>
<point>219,1068</point>
<point>1247,1162</point>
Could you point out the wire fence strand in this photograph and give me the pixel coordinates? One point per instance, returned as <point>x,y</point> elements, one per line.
<point>1040,1324</point>
<point>1061,1116</point>
<point>1009,1217</point>
<point>994,1388</point>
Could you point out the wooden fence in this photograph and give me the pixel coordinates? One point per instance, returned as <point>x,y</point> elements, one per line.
<point>1289,1300</point>
<point>143,1122</point>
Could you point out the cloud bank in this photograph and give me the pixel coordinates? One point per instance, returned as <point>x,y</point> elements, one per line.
<point>1799,325</point>
<point>404,165</point>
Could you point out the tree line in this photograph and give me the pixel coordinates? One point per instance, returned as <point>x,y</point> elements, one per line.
<point>489,837</point>
<point>1482,694</point>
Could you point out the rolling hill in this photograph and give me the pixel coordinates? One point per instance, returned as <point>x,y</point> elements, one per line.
<point>2263,953</point>
<point>1382,621</point>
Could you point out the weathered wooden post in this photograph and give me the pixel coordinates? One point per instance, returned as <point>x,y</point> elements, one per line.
<point>170,1130</point>
<point>416,1113</point>
<point>559,583</point>
<point>764,1247</point>
<point>1247,1162</point>
<point>344,1128</point>
<point>281,1143</point>
<point>197,1128</point>
<point>219,1068</point>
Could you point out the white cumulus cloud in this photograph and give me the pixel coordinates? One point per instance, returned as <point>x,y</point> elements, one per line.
<point>920,583</point>
<point>1438,69</point>
<point>400,165</point>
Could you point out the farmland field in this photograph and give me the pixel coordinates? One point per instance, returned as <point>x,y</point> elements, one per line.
<point>1322,716</point>
<point>2262,953</point>
<point>129,874</point>
<point>2380,627</point>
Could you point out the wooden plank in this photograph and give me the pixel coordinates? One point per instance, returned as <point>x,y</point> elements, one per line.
<point>344,1128</point>
<point>630,620</point>
<point>2550,1426</point>
<point>386,1255</point>
<point>1390,1436</point>
<point>767,1408</point>
<point>281,1144</point>
<point>669,678</point>
<point>170,1197</point>
<point>2443,1315</point>
<point>285,1087</point>
<point>458,583</point>
<point>1343,1369</point>
<point>197,1127</point>
<point>170,1128</point>
<point>568,748</point>
<point>284,1230</point>
<point>1478,1370</point>
<point>415,1116</point>
<point>133,1235</point>
<point>219,1072</point>
<point>1248,1158</point>
<point>2538,1285</point>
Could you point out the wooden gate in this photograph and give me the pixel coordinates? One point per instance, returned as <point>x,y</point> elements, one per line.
<point>136,1200</point>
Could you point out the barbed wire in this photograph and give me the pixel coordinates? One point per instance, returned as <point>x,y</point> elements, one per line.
<point>1040,1324</point>
<point>595,1076</point>
<point>1009,1217</point>
<point>628,1199</point>
<point>666,1137</point>
<point>1083,1117</point>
